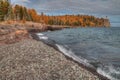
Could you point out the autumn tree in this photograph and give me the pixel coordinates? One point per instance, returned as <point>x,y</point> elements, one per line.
<point>4,7</point>
<point>18,12</point>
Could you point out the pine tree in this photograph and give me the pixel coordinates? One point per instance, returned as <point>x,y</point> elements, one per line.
<point>4,8</point>
<point>1,12</point>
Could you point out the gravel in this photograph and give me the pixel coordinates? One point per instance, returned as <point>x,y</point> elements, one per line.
<point>33,60</point>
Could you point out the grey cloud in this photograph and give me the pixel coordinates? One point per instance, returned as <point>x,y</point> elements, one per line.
<point>80,6</point>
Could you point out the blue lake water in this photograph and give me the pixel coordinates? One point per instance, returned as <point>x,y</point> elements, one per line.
<point>93,47</point>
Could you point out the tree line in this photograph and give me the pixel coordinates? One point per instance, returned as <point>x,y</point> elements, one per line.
<point>75,20</point>
<point>17,12</point>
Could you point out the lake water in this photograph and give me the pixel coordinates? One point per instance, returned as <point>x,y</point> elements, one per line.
<point>98,48</point>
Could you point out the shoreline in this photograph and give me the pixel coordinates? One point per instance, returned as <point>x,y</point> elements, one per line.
<point>19,33</point>
<point>33,60</point>
<point>92,70</point>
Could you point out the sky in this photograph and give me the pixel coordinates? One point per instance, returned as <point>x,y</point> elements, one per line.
<point>99,8</point>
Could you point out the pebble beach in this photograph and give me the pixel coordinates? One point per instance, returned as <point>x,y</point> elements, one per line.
<point>33,60</point>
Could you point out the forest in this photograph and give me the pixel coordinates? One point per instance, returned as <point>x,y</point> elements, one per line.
<point>21,13</point>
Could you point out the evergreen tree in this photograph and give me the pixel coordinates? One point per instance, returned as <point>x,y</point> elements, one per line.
<point>4,7</point>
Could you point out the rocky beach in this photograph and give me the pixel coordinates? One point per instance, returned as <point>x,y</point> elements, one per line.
<point>59,40</point>
<point>33,60</point>
<point>24,58</point>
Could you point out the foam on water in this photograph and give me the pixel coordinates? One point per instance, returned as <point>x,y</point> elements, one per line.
<point>85,62</point>
<point>70,54</point>
<point>109,71</point>
<point>42,36</point>
<point>97,48</point>
<point>107,74</point>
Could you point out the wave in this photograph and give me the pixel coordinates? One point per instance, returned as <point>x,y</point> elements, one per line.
<point>70,54</point>
<point>108,74</point>
<point>95,47</point>
<point>42,36</point>
<point>110,71</point>
<point>100,70</point>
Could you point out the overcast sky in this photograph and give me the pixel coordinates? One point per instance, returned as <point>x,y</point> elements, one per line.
<point>110,8</point>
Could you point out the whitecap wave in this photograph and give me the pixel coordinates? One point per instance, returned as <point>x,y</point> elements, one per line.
<point>108,73</point>
<point>70,54</point>
<point>42,36</point>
